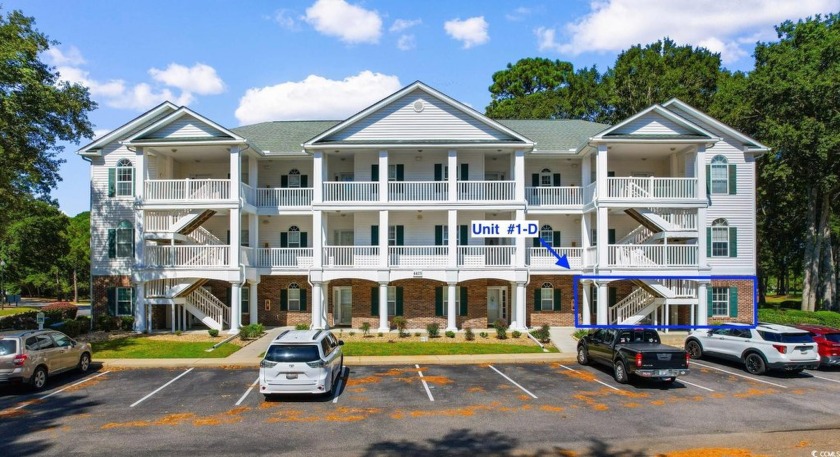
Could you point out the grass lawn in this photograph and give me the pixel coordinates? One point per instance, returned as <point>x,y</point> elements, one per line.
<point>17,310</point>
<point>144,348</point>
<point>353,348</point>
<point>795,316</point>
<point>792,301</point>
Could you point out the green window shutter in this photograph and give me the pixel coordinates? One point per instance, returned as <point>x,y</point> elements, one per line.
<point>438,172</point>
<point>400,172</point>
<point>303,299</point>
<point>112,300</point>
<point>304,181</point>
<point>535,242</point>
<point>284,181</point>
<point>228,237</point>
<point>112,182</point>
<point>374,235</point>
<point>733,302</point>
<point>399,311</point>
<point>555,179</point>
<point>465,235</point>
<point>610,174</point>
<point>555,239</point>
<point>537,299</point>
<point>557,299</point>
<point>732,180</point>
<point>465,172</point>
<point>733,242</point>
<point>374,301</point>
<point>438,301</point>
<point>438,235</point>
<point>708,241</point>
<point>284,240</point>
<point>304,240</point>
<point>400,235</point>
<point>709,295</point>
<point>112,243</point>
<point>611,236</point>
<point>374,172</point>
<point>613,296</point>
<point>708,179</point>
<point>284,300</point>
<point>535,180</point>
<point>464,308</point>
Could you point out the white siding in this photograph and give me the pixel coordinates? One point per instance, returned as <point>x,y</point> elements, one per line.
<point>569,229</point>
<point>270,172</point>
<point>269,233</point>
<point>570,172</point>
<point>185,127</point>
<point>626,167</point>
<point>107,212</point>
<point>652,124</point>
<point>437,121</point>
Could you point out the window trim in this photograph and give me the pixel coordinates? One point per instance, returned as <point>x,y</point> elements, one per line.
<point>392,302</point>
<point>545,174</point>
<point>289,300</point>
<point>124,175</point>
<point>296,231</point>
<point>118,300</point>
<point>124,238</point>
<point>716,301</point>
<point>547,234</point>
<point>550,299</point>
<point>718,163</point>
<point>294,173</point>
<point>720,226</point>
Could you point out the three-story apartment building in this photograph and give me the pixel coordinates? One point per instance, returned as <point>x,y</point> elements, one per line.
<point>334,223</point>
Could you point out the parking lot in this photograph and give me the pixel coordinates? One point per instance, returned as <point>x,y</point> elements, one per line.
<point>411,409</point>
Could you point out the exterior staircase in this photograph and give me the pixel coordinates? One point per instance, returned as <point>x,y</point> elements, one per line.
<point>189,293</point>
<point>648,297</point>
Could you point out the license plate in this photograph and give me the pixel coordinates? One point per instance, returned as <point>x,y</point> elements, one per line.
<point>804,351</point>
<point>664,372</point>
<point>663,357</point>
<point>291,375</point>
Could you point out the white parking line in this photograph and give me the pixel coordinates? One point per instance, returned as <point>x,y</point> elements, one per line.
<point>827,379</point>
<point>512,381</point>
<point>159,388</point>
<point>739,375</point>
<point>241,399</point>
<point>599,382</point>
<point>695,385</point>
<point>426,386</point>
<point>337,388</point>
<point>62,390</point>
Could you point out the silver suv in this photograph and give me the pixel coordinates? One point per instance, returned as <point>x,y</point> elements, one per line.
<point>765,347</point>
<point>29,356</point>
<point>301,361</point>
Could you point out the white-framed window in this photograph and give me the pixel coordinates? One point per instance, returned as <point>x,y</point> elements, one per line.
<point>124,304</point>
<point>125,178</point>
<point>392,172</point>
<point>125,239</point>
<point>546,178</point>
<point>720,238</point>
<point>294,177</point>
<point>244,238</point>
<point>719,171</point>
<point>446,297</point>
<point>392,300</point>
<point>294,297</point>
<point>547,234</point>
<point>720,301</point>
<point>293,237</point>
<point>245,300</point>
<point>547,297</point>
<point>392,235</point>
<point>444,236</point>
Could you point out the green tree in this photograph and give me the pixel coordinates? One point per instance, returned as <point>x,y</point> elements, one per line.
<point>34,244</point>
<point>37,111</point>
<point>529,89</point>
<point>77,260</point>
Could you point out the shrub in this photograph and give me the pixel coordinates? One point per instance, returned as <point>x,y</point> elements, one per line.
<point>84,324</point>
<point>468,334</point>
<point>516,334</point>
<point>450,334</point>
<point>302,326</point>
<point>127,323</point>
<point>60,310</point>
<point>578,334</point>
<point>365,328</point>
<point>501,328</point>
<point>400,323</point>
<point>433,329</point>
<point>379,334</point>
<point>542,334</point>
<point>213,332</point>
<point>105,323</point>
<point>351,333</point>
<point>250,331</point>
<point>71,328</point>
<point>483,334</point>
<point>417,334</point>
<point>178,333</point>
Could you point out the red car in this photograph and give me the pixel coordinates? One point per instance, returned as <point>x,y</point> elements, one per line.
<point>828,343</point>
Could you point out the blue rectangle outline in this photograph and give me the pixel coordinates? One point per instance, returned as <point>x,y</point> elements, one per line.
<point>576,279</point>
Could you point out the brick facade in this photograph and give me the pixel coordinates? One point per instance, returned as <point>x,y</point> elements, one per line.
<point>746,301</point>
<point>268,305</point>
<point>99,294</point>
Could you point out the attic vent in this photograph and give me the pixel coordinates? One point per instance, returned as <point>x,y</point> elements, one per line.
<point>418,106</point>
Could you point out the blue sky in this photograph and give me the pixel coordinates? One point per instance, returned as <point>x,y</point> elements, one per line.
<point>252,61</point>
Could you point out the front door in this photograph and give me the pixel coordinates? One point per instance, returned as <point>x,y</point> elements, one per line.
<point>496,304</point>
<point>343,304</point>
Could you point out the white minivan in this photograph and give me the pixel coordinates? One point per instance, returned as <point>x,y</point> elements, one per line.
<point>301,361</point>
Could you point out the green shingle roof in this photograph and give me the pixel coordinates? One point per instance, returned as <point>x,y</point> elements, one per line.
<point>555,135</point>
<point>283,136</point>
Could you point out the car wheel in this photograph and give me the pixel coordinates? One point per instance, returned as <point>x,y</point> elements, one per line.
<point>755,363</point>
<point>620,372</point>
<point>84,363</point>
<point>695,351</point>
<point>583,355</point>
<point>39,378</point>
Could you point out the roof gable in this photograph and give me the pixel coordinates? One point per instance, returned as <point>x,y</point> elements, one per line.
<point>95,147</point>
<point>418,114</point>
<point>688,112</point>
<point>183,125</point>
<point>656,123</point>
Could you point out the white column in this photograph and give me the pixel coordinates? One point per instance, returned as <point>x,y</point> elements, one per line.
<point>603,239</point>
<point>452,174</point>
<point>586,238</point>
<point>601,170</point>
<point>235,308</point>
<point>384,326</point>
<point>452,242</point>
<point>253,234</point>
<point>586,171</point>
<point>702,303</point>
<point>603,315</point>
<point>700,170</point>
<point>253,170</point>
<point>235,234</point>
<point>235,172</point>
<point>451,308</point>
<point>172,308</point>
<point>140,307</point>
<point>318,320</point>
<point>702,241</point>
<point>519,176</point>
<point>585,303</point>
<point>519,307</point>
<point>141,171</point>
<point>253,303</point>
<point>519,242</point>
<point>383,176</point>
<point>319,170</point>
<point>318,240</point>
<point>383,239</point>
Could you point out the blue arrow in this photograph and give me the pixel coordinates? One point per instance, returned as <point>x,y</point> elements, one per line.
<point>562,261</point>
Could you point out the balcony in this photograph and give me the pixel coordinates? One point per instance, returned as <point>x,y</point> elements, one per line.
<point>284,258</point>
<point>417,256</point>
<point>186,256</point>
<point>351,256</point>
<point>418,191</point>
<point>168,190</point>
<point>486,190</point>
<point>554,196</point>
<point>541,258</point>
<point>652,188</point>
<point>486,256</point>
<point>363,192</point>
<point>652,256</point>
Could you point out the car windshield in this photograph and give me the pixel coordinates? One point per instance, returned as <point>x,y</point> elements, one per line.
<point>833,337</point>
<point>8,347</point>
<point>292,353</point>
<point>787,337</point>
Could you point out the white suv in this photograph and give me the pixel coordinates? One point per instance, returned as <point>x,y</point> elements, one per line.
<point>301,361</point>
<point>765,347</point>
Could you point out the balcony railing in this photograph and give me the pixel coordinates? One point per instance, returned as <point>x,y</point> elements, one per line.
<point>554,196</point>
<point>485,190</point>
<point>652,188</point>
<point>485,256</point>
<point>186,256</point>
<point>350,256</point>
<point>647,256</point>
<point>541,258</point>
<point>275,198</point>
<point>417,256</point>
<point>283,257</point>
<point>351,191</point>
<point>418,191</point>
<point>187,189</point>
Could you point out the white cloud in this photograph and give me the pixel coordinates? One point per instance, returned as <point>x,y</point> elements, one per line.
<point>316,97</point>
<point>404,24</point>
<point>519,14</point>
<point>350,23</point>
<point>199,79</point>
<point>57,57</point>
<point>472,31</point>
<point>406,42</point>
<point>614,25</point>
<point>285,19</point>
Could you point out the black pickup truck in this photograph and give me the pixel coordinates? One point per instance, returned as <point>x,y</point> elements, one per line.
<point>632,351</point>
